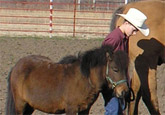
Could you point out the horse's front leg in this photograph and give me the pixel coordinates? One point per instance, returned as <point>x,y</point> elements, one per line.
<point>135,85</point>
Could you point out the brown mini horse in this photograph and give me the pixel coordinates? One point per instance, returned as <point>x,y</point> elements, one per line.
<point>70,86</point>
<point>145,53</point>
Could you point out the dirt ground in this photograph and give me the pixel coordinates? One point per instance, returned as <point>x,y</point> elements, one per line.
<point>12,49</point>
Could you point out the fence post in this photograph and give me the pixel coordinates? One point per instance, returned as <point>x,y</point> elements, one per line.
<point>51,17</point>
<point>126,1</point>
<point>79,3</point>
<point>74,20</point>
<point>94,4</point>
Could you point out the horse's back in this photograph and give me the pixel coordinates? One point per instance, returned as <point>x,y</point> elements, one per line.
<point>27,64</point>
<point>23,68</point>
<point>38,68</point>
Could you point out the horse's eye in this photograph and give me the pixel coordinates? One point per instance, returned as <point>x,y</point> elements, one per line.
<point>115,69</point>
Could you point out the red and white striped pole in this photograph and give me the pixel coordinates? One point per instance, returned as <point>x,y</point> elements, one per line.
<point>51,17</point>
<point>126,1</point>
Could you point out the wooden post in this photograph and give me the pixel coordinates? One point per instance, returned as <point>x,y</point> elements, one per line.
<point>74,20</point>
<point>51,18</point>
<point>126,1</point>
<point>79,2</point>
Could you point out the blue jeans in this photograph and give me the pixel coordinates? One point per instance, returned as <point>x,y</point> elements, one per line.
<point>113,107</point>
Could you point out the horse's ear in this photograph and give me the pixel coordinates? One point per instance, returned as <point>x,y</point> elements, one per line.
<point>108,56</point>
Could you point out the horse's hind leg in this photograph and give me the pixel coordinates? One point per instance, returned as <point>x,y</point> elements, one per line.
<point>28,110</point>
<point>22,107</point>
<point>150,96</point>
<point>19,106</point>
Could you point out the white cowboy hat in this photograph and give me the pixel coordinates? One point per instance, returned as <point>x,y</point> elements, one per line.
<point>136,18</point>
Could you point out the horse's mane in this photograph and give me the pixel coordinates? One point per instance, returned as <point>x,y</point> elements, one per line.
<point>93,58</point>
<point>68,59</point>
<point>96,57</point>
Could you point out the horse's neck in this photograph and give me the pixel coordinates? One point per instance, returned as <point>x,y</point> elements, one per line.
<point>96,78</point>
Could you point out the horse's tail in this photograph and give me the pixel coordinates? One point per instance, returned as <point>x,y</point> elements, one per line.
<point>115,17</point>
<point>10,105</point>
